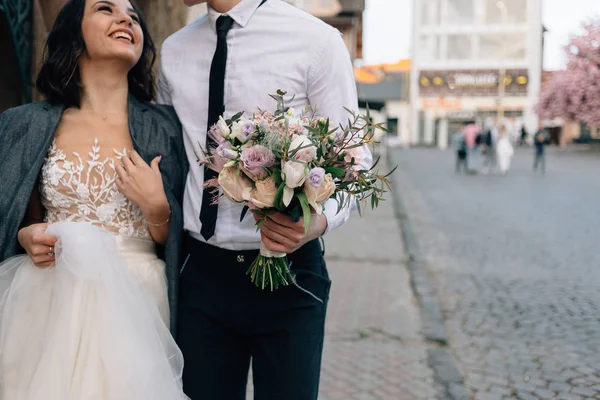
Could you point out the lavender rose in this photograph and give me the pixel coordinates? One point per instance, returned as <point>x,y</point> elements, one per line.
<point>255,160</point>
<point>316,176</point>
<point>248,130</point>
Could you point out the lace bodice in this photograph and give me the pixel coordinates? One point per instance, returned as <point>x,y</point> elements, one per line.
<point>84,189</point>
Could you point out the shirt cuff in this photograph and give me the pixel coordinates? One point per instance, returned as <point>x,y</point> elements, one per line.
<point>335,219</point>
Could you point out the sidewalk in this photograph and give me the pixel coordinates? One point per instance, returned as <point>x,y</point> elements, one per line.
<point>373,347</point>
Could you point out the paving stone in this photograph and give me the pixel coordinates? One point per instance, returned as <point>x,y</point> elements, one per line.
<point>518,295</point>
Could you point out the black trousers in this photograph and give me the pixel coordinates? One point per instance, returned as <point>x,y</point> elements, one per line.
<point>225,322</point>
<point>461,160</point>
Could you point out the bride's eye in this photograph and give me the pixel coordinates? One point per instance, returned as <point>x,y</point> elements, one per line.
<point>136,18</point>
<point>105,8</point>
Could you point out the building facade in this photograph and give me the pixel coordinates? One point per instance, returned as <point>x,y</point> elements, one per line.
<point>345,15</point>
<point>474,60</point>
<point>384,89</point>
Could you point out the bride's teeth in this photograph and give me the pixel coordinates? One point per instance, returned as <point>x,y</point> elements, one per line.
<point>123,35</point>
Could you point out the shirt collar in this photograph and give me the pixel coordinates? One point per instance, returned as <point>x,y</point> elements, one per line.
<point>241,13</point>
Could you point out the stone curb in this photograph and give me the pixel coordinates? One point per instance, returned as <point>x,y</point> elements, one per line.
<point>440,359</point>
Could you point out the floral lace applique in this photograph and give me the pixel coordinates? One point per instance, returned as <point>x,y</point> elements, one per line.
<point>86,191</point>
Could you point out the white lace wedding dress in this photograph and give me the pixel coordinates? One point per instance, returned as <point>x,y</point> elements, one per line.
<point>94,325</point>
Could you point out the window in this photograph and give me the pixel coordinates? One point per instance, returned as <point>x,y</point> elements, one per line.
<point>459,47</point>
<point>460,12</point>
<point>429,47</point>
<point>430,10</point>
<point>505,11</point>
<point>503,46</point>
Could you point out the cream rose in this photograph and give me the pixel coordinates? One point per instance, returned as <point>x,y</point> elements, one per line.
<point>318,195</point>
<point>294,174</point>
<point>263,195</point>
<point>222,128</point>
<point>236,185</point>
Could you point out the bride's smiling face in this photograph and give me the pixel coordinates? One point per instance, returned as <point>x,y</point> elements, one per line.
<point>111,30</point>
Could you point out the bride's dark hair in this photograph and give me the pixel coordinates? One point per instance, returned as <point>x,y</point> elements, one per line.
<point>59,80</point>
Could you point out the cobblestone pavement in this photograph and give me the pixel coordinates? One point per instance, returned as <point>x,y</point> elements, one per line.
<point>516,268</point>
<point>373,348</point>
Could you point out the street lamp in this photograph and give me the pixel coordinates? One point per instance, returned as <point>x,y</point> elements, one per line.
<point>501,84</point>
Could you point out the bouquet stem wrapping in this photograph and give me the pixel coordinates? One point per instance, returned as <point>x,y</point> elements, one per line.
<point>270,269</point>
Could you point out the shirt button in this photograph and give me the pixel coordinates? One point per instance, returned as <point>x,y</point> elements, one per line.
<point>240,258</point>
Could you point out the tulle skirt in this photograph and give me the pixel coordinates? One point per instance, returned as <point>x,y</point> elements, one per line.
<point>91,327</point>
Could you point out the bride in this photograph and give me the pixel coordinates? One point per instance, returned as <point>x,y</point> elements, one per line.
<point>91,181</point>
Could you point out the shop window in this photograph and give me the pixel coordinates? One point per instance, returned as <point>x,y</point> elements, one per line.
<point>460,12</point>
<point>505,11</point>
<point>459,47</point>
<point>503,46</point>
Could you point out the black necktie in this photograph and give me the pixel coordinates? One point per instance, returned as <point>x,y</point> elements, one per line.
<point>216,108</point>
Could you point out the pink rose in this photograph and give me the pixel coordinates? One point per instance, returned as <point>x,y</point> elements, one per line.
<point>235,184</point>
<point>318,195</point>
<point>263,195</point>
<point>356,153</point>
<point>303,149</point>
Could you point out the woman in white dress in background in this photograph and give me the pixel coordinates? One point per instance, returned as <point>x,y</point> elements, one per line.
<point>504,151</point>
<point>85,314</point>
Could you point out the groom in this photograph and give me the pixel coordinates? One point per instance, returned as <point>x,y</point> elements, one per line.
<point>231,60</point>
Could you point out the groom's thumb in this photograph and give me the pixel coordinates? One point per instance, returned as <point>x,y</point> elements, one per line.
<point>154,164</point>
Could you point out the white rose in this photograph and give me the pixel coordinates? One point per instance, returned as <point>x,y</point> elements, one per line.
<point>294,175</point>
<point>222,128</point>
<point>236,130</point>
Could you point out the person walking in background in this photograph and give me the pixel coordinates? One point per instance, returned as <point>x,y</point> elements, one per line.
<point>470,133</point>
<point>459,145</point>
<point>505,151</point>
<point>539,141</point>
<point>489,140</point>
<point>523,138</point>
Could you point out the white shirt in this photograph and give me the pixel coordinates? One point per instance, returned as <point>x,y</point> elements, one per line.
<point>274,46</point>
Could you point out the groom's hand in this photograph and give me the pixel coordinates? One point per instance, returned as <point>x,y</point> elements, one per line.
<point>281,234</point>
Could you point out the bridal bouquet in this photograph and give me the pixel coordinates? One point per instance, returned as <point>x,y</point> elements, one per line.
<point>282,162</point>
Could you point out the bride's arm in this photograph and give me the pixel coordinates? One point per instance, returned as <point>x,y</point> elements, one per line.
<point>32,235</point>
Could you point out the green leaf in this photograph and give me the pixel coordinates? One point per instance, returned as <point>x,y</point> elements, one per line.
<point>237,116</point>
<point>276,175</point>
<point>278,201</point>
<point>335,171</point>
<point>305,210</point>
<point>296,212</point>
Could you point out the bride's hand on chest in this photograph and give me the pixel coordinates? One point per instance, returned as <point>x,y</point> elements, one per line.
<point>142,183</point>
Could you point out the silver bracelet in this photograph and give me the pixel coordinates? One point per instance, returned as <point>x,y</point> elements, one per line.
<point>161,224</point>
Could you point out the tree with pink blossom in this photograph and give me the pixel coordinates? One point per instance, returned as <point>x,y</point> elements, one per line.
<point>574,93</point>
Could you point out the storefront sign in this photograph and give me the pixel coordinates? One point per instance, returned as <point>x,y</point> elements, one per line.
<point>472,83</point>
